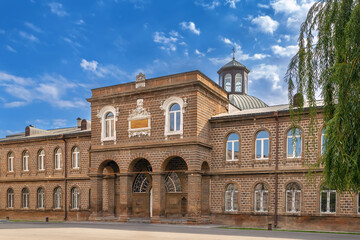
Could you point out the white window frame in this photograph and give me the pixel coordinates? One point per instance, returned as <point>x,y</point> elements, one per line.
<point>175,113</point>
<point>294,144</point>
<point>75,198</point>
<point>10,162</point>
<point>240,80</point>
<point>232,148</point>
<point>25,161</point>
<point>262,146</point>
<point>232,201</point>
<point>166,108</point>
<point>57,198</point>
<point>225,80</point>
<point>75,157</point>
<point>40,198</point>
<point>10,198</point>
<point>261,200</point>
<point>102,115</point>
<point>41,160</point>
<point>57,158</point>
<point>328,193</point>
<point>25,198</point>
<point>293,200</point>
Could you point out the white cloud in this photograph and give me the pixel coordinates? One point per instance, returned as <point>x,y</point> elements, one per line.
<point>59,123</point>
<point>267,72</point>
<point>208,5</point>
<point>285,51</point>
<point>239,54</point>
<point>102,71</point>
<point>231,3</point>
<point>11,49</point>
<point>266,24</point>
<point>33,27</point>
<point>89,66</point>
<point>57,9</point>
<point>28,36</point>
<point>80,22</point>
<point>200,54</point>
<point>52,89</point>
<point>260,5</point>
<point>295,11</point>
<point>190,26</point>
<point>168,43</point>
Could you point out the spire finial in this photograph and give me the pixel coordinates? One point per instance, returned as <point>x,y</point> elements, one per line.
<point>233,53</point>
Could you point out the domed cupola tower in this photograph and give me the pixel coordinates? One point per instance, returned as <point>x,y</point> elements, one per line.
<point>233,78</point>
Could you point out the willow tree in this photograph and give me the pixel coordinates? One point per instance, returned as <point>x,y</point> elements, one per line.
<point>328,61</point>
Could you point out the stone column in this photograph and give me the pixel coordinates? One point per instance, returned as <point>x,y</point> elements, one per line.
<point>194,197</point>
<point>158,197</point>
<point>125,207</point>
<point>96,196</point>
<point>205,196</point>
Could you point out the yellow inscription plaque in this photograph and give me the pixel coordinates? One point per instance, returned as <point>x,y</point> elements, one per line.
<point>143,123</point>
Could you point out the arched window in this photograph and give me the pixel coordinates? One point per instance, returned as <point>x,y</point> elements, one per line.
<point>323,141</point>
<point>232,147</point>
<point>40,198</point>
<point>41,160</point>
<point>327,200</point>
<point>109,125</point>
<point>294,143</point>
<point>238,82</point>
<point>175,117</point>
<point>57,198</point>
<point>25,161</point>
<point>10,161</point>
<point>262,145</point>
<point>25,198</point>
<point>10,198</point>
<point>231,198</point>
<point>141,183</point>
<point>57,158</point>
<point>75,157</point>
<point>228,82</point>
<point>172,182</point>
<point>293,196</point>
<point>261,198</point>
<point>75,198</point>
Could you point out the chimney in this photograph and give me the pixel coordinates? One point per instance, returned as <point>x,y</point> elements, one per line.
<point>79,122</point>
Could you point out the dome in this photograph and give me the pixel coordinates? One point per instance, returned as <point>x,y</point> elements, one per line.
<point>233,64</point>
<point>244,102</point>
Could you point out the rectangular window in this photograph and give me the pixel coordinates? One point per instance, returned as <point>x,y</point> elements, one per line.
<point>298,147</point>
<point>290,147</point>
<point>178,121</point>
<point>229,151</point>
<point>236,150</point>
<point>172,122</point>
<point>11,164</point>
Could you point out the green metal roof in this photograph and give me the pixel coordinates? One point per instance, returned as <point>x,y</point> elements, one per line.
<point>233,64</point>
<point>244,102</point>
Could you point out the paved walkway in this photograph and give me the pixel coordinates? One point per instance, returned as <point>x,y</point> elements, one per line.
<point>110,231</point>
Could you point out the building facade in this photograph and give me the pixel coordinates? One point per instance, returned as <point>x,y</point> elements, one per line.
<point>175,149</point>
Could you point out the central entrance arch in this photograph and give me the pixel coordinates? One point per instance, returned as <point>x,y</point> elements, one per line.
<point>141,170</point>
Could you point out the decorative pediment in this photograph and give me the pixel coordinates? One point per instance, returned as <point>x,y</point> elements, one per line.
<point>140,80</point>
<point>139,120</point>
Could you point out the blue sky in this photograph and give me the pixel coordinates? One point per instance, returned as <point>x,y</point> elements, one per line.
<point>54,52</point>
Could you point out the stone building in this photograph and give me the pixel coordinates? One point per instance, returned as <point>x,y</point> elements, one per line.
<point>175,149</point>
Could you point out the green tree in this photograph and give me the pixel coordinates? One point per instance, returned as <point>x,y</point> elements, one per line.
<point>329,60</point>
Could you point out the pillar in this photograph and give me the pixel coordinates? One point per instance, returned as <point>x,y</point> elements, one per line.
<point>96,196</point>
<point>158,197</point>
<point>125,206</point>
<point>194,197</point>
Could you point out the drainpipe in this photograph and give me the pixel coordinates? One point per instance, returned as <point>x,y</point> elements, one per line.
<point>276,114</point>
<point>65,168</point>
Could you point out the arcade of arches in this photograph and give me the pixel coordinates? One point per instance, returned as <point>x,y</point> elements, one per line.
<point>172,193</point>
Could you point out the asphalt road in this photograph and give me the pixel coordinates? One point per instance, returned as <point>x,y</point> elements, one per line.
<point>138,231</point>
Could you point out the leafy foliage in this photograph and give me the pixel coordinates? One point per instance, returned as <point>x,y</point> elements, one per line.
<point>328,60</point>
